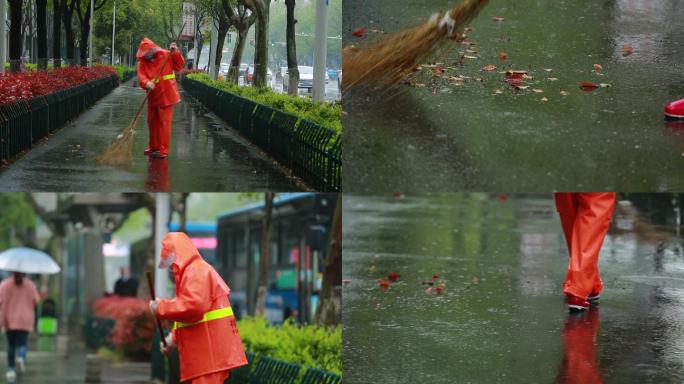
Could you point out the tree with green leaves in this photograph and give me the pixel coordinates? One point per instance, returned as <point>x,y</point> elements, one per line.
<point>17,226</point>
<point>83,13</point>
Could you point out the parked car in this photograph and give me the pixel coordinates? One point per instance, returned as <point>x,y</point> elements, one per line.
<point>332,73</point>
<point>305,78</point>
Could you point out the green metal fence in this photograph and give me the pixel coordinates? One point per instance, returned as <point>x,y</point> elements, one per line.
<point>26,122</point>
<point>312,152</point>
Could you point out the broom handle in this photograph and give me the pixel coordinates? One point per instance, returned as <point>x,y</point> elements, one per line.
<point>159,324</point>
<point>161,70</point>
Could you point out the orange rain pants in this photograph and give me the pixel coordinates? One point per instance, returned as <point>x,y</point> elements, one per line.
<point>159,122</point>
<point>579,352</point>
<point>585,218</point>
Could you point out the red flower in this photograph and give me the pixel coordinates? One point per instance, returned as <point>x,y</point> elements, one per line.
<point>26,85</point>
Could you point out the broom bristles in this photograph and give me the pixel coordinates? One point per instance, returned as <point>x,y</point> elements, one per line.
<point>120,152</point>
<point>389,60</point>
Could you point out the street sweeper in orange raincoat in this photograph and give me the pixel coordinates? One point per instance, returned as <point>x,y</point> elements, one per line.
<point>163,92</point>
<point>204,330</point>
<point>585,218</point>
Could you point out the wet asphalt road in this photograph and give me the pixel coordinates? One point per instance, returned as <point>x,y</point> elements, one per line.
<point>502,318</point>
<point>481,134</point>
<point>206,155</point>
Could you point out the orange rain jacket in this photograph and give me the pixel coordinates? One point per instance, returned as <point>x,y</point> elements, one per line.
<point>205,346</point>
<point>165,92</point>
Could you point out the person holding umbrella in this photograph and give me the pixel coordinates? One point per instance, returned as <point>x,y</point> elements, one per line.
<point>18,300</point>
<point>204,329</point>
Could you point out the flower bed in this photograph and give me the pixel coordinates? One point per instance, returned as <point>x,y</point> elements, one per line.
<point>134,325</point>
<point>29,84</point>
<point>34,104</point>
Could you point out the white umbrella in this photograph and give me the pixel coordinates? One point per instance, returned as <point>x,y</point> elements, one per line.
<point>27,260</point>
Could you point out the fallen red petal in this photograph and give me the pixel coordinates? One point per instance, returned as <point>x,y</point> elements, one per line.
<point>588,86</point>
<point>503,56</point>
<point>393,276</point>
<point>359,32</point>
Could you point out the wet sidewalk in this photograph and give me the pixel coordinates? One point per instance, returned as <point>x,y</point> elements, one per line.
<point>44,367</point>
<point>502,317</point>
<point>206,155</point>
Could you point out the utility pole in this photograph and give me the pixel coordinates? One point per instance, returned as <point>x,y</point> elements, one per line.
<point>3,34</point>
<point>90,45</point>
<point>113,31</point>
<point>163,202</point>
<point>320,50</point>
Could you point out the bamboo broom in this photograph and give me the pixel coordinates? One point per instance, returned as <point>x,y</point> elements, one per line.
<point>391,59</point>
<point>120,152</point>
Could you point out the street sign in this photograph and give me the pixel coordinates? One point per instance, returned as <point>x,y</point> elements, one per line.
<point>189,20</point>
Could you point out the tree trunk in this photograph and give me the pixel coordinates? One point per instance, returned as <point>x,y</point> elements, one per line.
<point>41,16</point>
<point>67,17</point>
<point>83,42</point>
<point>264,261</point>
<point>236,60</point>
<point>261,50</point>
<point>15,35</point>
<point>329,310</point>
<point>292,69</point>
<point>222,32</point>
<point>56,33</point>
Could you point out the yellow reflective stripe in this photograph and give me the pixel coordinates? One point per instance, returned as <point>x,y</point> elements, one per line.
<point>211,315</point>
<point>165,77</point>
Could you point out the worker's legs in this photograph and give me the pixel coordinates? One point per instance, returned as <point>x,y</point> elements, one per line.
<point>153,126</point>
<point>590,226</point>
<point>566,205</point>
<point>165,123</point>
<point>212,378</point>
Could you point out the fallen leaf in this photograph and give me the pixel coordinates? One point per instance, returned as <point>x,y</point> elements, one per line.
<point>605,85</point>
<point>498,18</point>
<point>521,87</point>
<point>489,67</point>
<point>503,56</point>
<point>598,67</point>
<point>588,86</point>
<point>471,51</point>
<point>514,81</point>
<point>438,70</point>
<point>393,276</point>
<point>467,29</point>
<point>548,69</point>
<point>359,32</point>
<point>553,79</point>
<point>537,90</point>
<point>544,99</point>
<point>627,49</point>
<point>377,31</point>
<point>564,93</point>
<point>470,57</point>
<point>498,92</point>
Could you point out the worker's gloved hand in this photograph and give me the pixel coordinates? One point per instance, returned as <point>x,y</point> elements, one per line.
<point>153,306</point>
<point>170,345</point>
<point>149,85</point>
<point>173,47</point>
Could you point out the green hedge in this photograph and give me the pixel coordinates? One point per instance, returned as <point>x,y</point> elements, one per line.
<point>121,70</point>
<point>324,113</point>
<point>306,345</point>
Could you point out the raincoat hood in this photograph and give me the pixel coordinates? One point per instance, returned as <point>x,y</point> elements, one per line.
<point>179,243</point>
<point>147,47</point>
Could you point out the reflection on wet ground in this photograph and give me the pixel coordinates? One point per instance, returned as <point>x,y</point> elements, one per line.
<point>206,155</point>
<point>445,136</point>
<point>502,318</point>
